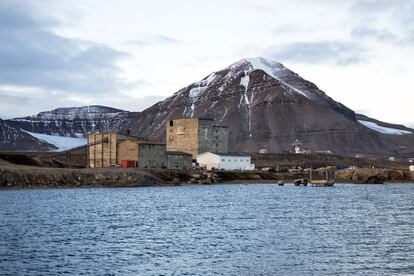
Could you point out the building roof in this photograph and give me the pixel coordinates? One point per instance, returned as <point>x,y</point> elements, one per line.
<point>232,154</point>
<point>191,118</point>
<point>296,143</point>
<point>227,154</point>
<point>178,153</point>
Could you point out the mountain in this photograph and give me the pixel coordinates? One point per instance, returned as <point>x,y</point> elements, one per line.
<point>14,139</point>
<point>75,121</point>
<point>268,106</point>
<point>264,104</point>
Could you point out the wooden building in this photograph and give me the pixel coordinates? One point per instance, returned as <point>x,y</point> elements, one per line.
<point>102,150</point>
<point>109,149</point>
<point>196,136</point>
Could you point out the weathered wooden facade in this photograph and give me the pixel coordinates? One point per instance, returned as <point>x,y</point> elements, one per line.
<point>102,150</point>
<point>195,136</point>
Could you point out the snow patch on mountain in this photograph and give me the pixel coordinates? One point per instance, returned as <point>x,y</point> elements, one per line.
<point>61,142</point>
<point>196,91</point>
<point>274,70</point>
<point>244,81</point>
<point>384,130</point>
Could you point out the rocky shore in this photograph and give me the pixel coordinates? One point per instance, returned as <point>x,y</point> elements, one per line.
<point>35,177</point>
<point>14,177</point>
<point>374,176</point>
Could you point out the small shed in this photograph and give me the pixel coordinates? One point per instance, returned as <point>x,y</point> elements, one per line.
<point>225,161</point>
<point>178,160</point>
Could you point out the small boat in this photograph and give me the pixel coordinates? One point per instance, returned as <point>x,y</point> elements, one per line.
<point>280,183</point>
<point>301,181</point>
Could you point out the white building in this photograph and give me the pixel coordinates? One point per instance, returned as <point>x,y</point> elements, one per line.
<point>225,161</point>
<point>297,146</point>
<point>412,168</point>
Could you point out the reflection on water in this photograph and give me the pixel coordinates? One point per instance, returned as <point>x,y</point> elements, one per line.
<point>204,230</point>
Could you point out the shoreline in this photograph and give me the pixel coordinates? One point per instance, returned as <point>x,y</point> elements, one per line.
<point>30,177</point>
<point>188,184</point>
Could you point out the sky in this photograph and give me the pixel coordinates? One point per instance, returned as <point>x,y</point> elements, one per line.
<point>129,54</point>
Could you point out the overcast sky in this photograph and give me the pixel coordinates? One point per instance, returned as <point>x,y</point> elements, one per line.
<point>130,54</point>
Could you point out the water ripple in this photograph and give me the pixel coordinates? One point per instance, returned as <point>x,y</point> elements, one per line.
<point>209,230</point>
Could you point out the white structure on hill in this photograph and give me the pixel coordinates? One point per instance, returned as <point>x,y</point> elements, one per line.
<point>297,146</point>
<point>412,168</point>
<point>225,161</point>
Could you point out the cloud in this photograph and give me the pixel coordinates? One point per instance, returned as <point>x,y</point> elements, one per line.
<point>24,101</point>
<point>364,32</point>
<point>149,40</point>
<point>397,16</point>
<point>337,52</point>
<point>32,54</point>
<point>260,8</point>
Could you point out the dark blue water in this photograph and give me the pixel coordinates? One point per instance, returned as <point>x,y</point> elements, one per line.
<point>209,230</point>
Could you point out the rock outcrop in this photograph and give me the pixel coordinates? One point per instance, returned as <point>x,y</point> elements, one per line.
<point>373,176</point>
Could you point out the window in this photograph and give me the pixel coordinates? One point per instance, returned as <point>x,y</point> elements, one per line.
<point>171,123</point>
<point>229,160</point>
<point>223,160</point>
<point>217,145</point>
<point>216,138</point>
<point>235,160</point>
<point>241,160</point>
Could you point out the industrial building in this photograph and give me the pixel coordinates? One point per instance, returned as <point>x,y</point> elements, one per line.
<point>112,149</point>
<point>196,136</point>
<point>109,149</point>
<point>225,161</point>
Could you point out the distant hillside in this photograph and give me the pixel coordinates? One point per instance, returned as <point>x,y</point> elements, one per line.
<point>75,121</point>
<point>12,139</point>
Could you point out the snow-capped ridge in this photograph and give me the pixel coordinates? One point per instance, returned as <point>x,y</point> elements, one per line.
<point>274,69</point>
<point>84,112</point>
<point>384,130</point>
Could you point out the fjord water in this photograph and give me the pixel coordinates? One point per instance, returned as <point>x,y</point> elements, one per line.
<point>209,230</point>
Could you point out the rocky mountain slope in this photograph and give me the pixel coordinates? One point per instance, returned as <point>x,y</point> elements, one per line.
<point>75,121</point>
<point>12,138</point>
<point>268,106</point>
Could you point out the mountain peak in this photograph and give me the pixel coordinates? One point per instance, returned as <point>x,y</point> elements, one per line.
<point>258,63</point>
<point>274,69</point>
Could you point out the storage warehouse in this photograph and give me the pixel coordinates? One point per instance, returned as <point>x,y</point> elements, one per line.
<point>225,161</point>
